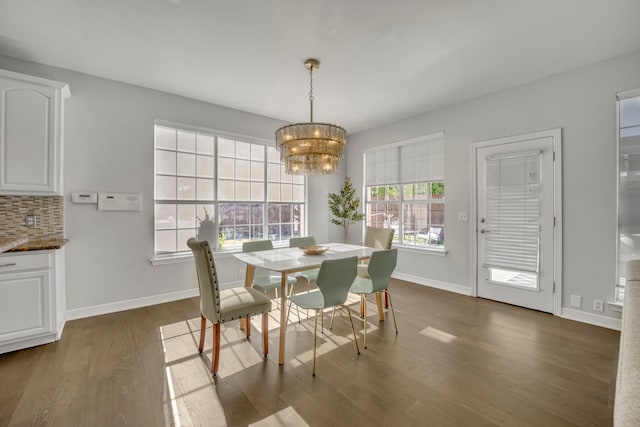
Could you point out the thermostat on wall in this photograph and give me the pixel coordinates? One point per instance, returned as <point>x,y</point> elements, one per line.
<point>119,202</point>
<point>84,197</point>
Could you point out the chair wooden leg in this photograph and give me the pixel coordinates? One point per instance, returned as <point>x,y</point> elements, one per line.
<point>265,334</point>
<point>392,311</point>
<point>386,300</point>
<point>362,303</point>
<point>215,356</point>
<point>248,328</point>
<point>379,302</point>
<point>315,337</point>
<point>355,338</point>
<point>203,327</point>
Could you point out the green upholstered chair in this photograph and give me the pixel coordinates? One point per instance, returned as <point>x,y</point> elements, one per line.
<point>379,238</point>
<point>334,279</point>
<point>263,279</point>
<point>379,269</point>
<point>308,275</point>
<point>222,306</point>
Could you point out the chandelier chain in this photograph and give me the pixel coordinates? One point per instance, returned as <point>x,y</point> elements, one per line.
<point>310,148</point>
<point>311,93</point>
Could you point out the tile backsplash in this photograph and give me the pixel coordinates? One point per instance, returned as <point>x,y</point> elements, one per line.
<point>49,211</point>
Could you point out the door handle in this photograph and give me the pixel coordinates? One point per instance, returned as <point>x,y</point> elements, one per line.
<point>8,265</point>
<point>482,230</point>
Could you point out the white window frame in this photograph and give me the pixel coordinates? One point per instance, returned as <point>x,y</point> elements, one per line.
<point>620,279</point>
<point>161,257</point>
<point>398,236</point>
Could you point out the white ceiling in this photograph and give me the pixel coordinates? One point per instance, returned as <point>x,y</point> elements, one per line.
<point>380,60</point>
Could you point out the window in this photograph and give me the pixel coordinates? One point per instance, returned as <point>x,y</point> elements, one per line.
<point>404,190</point>
<point>629,185</point>
<point>227,190</point>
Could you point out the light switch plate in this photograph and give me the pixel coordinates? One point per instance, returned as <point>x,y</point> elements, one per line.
<point>576,301</point>
<point>463,216</point>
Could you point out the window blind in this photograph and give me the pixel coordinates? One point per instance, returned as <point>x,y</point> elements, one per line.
<point>417,161</point>
<point>512,217</point>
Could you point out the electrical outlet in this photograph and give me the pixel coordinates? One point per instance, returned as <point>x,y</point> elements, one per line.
<point>30,221</point>
<point>598,305</point>
<point>576,301</point>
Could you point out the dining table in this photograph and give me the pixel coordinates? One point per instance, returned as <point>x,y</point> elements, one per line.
<point>292,260</point>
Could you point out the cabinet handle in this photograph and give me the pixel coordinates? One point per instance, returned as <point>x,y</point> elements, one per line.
<point>8,265</point>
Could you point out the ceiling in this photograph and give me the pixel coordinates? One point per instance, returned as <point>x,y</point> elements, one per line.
<point>380,60</point>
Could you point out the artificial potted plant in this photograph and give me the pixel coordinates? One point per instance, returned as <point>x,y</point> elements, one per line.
<point>345,207</point>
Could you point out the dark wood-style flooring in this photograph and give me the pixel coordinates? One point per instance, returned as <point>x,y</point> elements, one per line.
<point>457,361</point>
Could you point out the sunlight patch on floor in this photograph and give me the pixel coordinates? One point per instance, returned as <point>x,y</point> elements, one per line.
<point>438,335</point>
<point>327,341</point>
<point>189,381</point>
<point>285,417</point>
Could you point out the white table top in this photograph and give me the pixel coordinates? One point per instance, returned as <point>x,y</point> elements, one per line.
<point>290,260</point>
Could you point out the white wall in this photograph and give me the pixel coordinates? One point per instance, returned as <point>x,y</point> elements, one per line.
<point>108,146</point>
<point>581,102</point>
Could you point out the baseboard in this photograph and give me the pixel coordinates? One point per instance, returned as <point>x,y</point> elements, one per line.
<point>112,307</point>
<point>61,324</point>
<point>20,344</point>
<point>591,318</point>
<point>97,310</point>
<point>445,286</point>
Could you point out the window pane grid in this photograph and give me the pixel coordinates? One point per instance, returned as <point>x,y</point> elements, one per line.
<point>414,210</point>
<point>628,201</point>
<point>224,180</point>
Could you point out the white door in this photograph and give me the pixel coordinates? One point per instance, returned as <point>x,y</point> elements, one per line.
<point>515,221</point>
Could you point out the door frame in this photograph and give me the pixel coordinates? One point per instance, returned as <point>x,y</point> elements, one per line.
<point>556,137</point>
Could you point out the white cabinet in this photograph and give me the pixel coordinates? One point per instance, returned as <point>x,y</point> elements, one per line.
<point>31,122</point>
<point>31,298</point>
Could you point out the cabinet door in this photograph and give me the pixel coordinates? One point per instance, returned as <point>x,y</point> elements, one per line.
<point>29,137</point>
<point>24,304</point>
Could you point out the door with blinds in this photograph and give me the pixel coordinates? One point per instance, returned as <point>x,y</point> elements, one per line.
<point>515,222</point>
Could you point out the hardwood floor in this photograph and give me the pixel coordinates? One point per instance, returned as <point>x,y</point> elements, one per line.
<point>457,361</point>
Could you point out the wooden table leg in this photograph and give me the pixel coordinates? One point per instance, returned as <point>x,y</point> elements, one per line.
<point>283,315</point>
<point>248,280</point>
<point>379,301</point>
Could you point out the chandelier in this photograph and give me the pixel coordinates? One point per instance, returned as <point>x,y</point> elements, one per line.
<point>311,148</point>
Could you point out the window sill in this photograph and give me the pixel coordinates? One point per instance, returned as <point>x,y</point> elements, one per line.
<point>615,306</point>
<point>178,259</point>
<point>187,257</point>
<point>415,249</point>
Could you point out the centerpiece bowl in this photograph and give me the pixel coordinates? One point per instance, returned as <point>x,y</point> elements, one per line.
<point>314,249</point>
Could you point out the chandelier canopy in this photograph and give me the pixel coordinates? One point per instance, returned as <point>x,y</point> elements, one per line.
<point>311,148</point>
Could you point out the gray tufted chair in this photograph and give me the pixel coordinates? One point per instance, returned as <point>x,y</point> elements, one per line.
<point>222,306</point>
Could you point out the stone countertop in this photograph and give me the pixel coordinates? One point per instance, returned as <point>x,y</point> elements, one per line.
<point>39,245</point>
<point>8,243</point>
